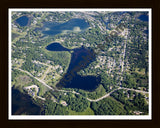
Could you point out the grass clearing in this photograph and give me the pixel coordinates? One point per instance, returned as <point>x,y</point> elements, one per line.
<point>99,92</point>
<point>23,80</point>
<point>42,89</point>
<point>88,111</point>
<point>142,71</point>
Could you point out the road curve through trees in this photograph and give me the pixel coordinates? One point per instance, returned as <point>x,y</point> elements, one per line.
<point>91,100</point>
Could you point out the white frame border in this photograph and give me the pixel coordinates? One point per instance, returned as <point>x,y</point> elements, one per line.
<point>95,117</point>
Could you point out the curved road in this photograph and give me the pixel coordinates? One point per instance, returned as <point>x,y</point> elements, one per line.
<point>108,94</point>
<point>101,98</point>
<point>91,100</point>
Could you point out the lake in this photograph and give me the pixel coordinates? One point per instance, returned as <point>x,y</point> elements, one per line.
<point>56,47</point>
<point>73,25</point>
<point>80,59</point>
<point>23,104</point>
<point>22,21</point>
<point>143,17</point>
<point>146,31</point>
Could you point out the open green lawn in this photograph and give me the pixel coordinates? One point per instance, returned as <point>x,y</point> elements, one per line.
<point>88,111</point>
<point>99,92</point>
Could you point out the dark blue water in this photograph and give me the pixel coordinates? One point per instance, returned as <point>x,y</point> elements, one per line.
<point>143,17</point>
<point>23,21</point>
<point>56,47</point>
<point>56,28</point>
<point>80,59</point>
<point>107,27</point>
<point>88,83</point>
<point>146,31</point>
<point>22,103</point>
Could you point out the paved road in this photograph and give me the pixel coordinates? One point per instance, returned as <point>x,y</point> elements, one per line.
<point>101,98</point>
<point>33,86</point>
<point>91,100</point>
<point>122,65</point>
<point>41,81</point>
<point>108,94</point>
<point>139,91</point>
<point>36,79</point>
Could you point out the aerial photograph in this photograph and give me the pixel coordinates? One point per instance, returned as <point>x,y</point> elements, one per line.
<point>79,63</point>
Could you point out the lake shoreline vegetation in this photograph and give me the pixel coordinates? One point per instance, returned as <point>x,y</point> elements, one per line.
<point>50,47</point>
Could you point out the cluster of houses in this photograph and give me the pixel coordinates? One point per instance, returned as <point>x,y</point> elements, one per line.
<point>33,91</point>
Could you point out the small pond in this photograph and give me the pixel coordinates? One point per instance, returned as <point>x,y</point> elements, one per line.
<point>22,21</point>
<point>143,17</point>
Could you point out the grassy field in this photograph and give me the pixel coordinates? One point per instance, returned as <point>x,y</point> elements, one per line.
<point>20,35</point>
<point>88,111</point>
<point>99,92</point>
<point>142,72</point>
<point>42,90</point>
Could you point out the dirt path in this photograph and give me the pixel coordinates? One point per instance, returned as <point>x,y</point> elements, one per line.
<point>46,73</point>
<point>37,62</point>
<point>41,98</point>
<point>33,86</point>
